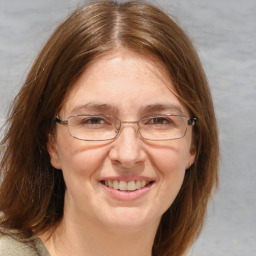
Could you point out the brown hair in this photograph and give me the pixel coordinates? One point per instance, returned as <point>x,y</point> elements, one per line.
<point>32,191</point>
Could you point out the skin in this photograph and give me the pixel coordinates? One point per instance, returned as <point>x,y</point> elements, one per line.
<point>94,221</point>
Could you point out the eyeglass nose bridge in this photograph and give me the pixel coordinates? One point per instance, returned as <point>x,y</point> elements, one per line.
<point>120,128</point>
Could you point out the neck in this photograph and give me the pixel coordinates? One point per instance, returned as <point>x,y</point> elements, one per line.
<point>88,239</point>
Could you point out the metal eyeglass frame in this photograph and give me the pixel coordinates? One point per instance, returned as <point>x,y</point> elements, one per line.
<point>190,122</point>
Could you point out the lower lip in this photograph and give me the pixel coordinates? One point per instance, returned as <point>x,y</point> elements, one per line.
<point>127,195</point>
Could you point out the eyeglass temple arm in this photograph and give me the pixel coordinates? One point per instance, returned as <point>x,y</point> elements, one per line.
<point>59,121</point>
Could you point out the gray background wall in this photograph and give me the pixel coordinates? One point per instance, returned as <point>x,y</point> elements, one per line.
<point>224,32</point>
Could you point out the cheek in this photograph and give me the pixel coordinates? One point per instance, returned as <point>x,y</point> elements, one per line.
<point>170,159</point>
<point>170,166</point>
<point>80,158</point>
<point>80,166</point>
<point>171,169</point>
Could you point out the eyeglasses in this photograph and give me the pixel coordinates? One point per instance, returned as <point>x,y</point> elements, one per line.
<point>104,127</point>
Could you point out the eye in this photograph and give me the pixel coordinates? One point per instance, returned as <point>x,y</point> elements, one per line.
<point>93,120</point>
<point>159,120</point>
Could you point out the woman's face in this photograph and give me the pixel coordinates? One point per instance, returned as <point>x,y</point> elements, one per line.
<point>127,86</point>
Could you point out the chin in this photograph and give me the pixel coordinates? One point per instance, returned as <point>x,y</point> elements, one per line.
<point>126,221</point>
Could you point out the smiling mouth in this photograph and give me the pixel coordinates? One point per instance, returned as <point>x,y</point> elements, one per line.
<point>126,185</point>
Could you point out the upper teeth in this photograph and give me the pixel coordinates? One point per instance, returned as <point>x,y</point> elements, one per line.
<point>123,185</point>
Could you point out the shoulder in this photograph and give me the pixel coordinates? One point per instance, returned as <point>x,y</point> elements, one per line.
<point>10,246</point>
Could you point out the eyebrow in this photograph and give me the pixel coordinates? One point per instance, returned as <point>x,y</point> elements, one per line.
<point>106,108</point>
<point>103,108</point>
<point>173,109</point>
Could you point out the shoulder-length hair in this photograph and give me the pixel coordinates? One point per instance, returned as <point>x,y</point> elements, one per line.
<point>32,191</point>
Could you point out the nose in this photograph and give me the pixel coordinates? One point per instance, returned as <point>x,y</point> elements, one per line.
<point>127,150</point>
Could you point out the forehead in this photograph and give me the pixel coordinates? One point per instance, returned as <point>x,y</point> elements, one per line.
<point>122,82</point>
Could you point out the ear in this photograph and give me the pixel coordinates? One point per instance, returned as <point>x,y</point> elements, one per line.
<point>53,152</point>
<point>191,156</point>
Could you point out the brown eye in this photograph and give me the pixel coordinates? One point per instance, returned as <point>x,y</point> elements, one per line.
<point>160,120</point>
<point>157,120</point>
<point>90,122</point>
<point>93,120</point>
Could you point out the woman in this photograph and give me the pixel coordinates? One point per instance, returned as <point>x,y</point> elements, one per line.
<point>111,146</point>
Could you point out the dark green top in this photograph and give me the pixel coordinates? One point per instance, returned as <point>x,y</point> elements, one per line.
<point>10,246</point>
